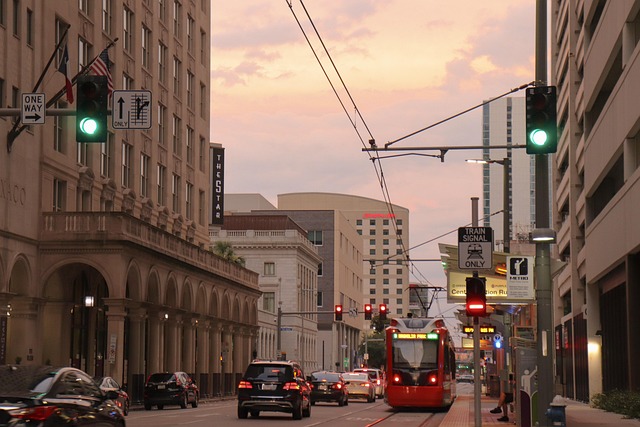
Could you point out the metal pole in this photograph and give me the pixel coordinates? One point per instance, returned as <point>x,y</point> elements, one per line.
<point>542,265</point>
<point>477,387</point>
<point>278,339</point>
<point>506,206</point>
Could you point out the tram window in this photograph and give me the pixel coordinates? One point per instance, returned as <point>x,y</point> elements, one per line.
<point>415,354</point>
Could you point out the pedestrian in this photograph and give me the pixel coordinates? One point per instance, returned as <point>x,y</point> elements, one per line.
<point>506,397</point>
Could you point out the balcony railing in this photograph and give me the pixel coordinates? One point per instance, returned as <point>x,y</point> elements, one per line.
<point>117,226</point>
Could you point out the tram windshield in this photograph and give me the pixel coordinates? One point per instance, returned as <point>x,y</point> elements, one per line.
<point>415,353</point>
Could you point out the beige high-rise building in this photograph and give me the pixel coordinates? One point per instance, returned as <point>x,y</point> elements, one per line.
<point>104,260</point>
<point>596,180</point>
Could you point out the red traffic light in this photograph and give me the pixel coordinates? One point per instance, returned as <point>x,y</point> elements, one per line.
<point>476,297</point>
<point>382,309</point>
<point>367,311</point>
<point>338,312</point>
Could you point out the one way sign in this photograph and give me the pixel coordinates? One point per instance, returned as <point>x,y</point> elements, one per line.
<point>33,109</point>
<point>131,109</point>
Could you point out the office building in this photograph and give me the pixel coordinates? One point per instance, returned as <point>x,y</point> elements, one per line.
<point>105,261</point>
<point>596,181</point>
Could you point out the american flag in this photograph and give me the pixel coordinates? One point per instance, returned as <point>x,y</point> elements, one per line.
<point>101,67</point>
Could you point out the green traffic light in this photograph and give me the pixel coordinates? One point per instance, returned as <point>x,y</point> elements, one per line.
<point>89,125</point>
<point>539,137</point>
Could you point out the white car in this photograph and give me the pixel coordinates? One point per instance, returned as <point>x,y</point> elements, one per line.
<point>376,377</point>
<point>465,378</point>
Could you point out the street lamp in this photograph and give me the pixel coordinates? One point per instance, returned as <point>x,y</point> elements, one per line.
<point>506,211</point>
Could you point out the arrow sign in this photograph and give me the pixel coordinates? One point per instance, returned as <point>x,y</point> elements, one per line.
<point>120,108</point>
<point>34,118</point>
<point>33,109</point>
<point>133,109</point>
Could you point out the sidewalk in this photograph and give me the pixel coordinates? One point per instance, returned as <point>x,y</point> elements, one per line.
<point>578,415</point>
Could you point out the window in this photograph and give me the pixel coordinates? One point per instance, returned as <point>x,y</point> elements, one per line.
<point>146,47</point>
<point>58,126</point>
<point>385,281</point>
<point>358,222</point>
<point>189,143</point>
<point>107,17</point>
<point>162,63</point>
<point>201,207</point>
<point>385,252</point>
<point>190,98</point>
<point>162,176</point>
<point>372,222</point>
<point>385,222</point>
<point>320,272</point>
<point>269,302</point>
<point>320,299</point>
<point>59,195</point>
<point>372,291</point>
<point>399,291</point>
<point>315,237</point>
<point>176,76</point>
<point>399,281</point>
<point>385,291</point>
<point>127,82</point>
<point>82,154</point>
<point>385,232</point>
<point>372,241</point>
<point>385,242</point>
<point>3,12</point>
<point>202,154</point>
<point>372,281</point>
<point>203,100</point>
<point>83,53</point>
<point>175,193</point>
<point>127,30</point>
<point>162,124</point>
<point>29,27</point>
<point>398,300</point>
<point>144,175</point>
<point>372,251</point>
<point>398,222</point>
<point>163,10</point>
<point>16,18</point>
<point>127,152</point>
<point>189,201</point>
<point>372,232</point>
<point>190,28</point>
<point>177,12</point>
<point>269,269</point>
<point>175,131</point>
<point>398,271</point>
<point>203,47</point>
<point>106,156</point>
<point>83,5</point>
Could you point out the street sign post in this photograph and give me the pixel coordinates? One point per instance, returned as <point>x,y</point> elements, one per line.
<point>475,248</point>
<point>131,109</point>
<point>33,110</point>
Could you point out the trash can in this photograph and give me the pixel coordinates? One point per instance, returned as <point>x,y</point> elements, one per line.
<point>494,386</point>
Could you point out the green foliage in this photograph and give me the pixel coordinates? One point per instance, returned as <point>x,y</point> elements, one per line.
<point>225,250</point>
<point>626,403</point>
<point>376,350</point>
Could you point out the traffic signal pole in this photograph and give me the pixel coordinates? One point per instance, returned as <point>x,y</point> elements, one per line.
<point>477,386</point>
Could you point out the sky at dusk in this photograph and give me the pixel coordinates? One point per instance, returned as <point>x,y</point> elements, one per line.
<point>407,65</point>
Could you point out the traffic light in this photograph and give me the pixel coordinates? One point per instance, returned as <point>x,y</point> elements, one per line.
<point>497,341</point>
<point>476,297</point>
<point>382,311</point>
<point>542,128</point>
<point>91,109</point>
<point>338,312</point>
<point>367,312</point>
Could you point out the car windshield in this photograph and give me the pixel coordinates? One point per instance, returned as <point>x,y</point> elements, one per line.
<point>269,372</point>
<point>355,377</point>
<point>372,374</point>
<point>325,376</point>
<point>161,378</point>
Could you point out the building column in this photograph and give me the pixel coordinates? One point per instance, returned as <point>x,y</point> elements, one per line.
<point>114,359</point>
<point>188,344</point>
<point>135,342</point>
<point>22,344</point>
<point>172,348</point>
<point>215,351</point>
<point>155,355</point>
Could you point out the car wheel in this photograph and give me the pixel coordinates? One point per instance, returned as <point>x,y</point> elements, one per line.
<point>313,402</point>
<point>255,414</point>
<point>194,404</point>
<point>341,401</point>
<point>126,408</point>
<point>297,411</point>
<point>183,402</point>
<point>242,413</point>
<point>147,406</point>
<point>307,412</point>
<point>161,407</point>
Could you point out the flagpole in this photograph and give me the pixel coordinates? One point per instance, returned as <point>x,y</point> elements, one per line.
<point>14,132</point>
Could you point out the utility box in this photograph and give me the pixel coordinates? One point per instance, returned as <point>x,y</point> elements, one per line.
<point>526,387</point>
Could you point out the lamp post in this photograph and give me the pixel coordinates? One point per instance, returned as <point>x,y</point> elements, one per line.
<point>506,197</point>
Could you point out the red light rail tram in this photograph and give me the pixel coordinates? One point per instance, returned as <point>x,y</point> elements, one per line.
<point>420,364</point>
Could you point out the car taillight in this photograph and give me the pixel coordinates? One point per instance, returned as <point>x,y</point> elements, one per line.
<point>37,413</point>
<point>378,382</point>
<point>337,386</point>
<point>432,378</point>
<point>291,386</point>
<point>245,384</point>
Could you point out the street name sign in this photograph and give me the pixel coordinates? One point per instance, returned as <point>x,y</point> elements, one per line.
<point>131,109</point>
<point>33,109</point>
<point>475,248</point>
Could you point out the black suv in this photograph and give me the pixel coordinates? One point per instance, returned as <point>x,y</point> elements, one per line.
<point>170,388</point>
<point>274,386</point>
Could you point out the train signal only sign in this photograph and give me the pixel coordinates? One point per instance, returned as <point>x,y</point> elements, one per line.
<point>475,248</point>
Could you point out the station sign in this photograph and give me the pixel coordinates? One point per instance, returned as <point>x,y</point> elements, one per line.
<point>484,329</point>
<point>475,248</point>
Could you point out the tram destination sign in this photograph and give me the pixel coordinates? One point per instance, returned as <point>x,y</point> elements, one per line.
<point>475,248</point>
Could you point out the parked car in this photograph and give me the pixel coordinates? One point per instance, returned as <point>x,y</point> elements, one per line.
<point>465,378</point>
<point>33,395</point>
<point>328,386</point>
<point>359,385</point>
<point>377,378</point>
<point>273,386</point>
<point>109,384</point>
<point>170,388</point>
